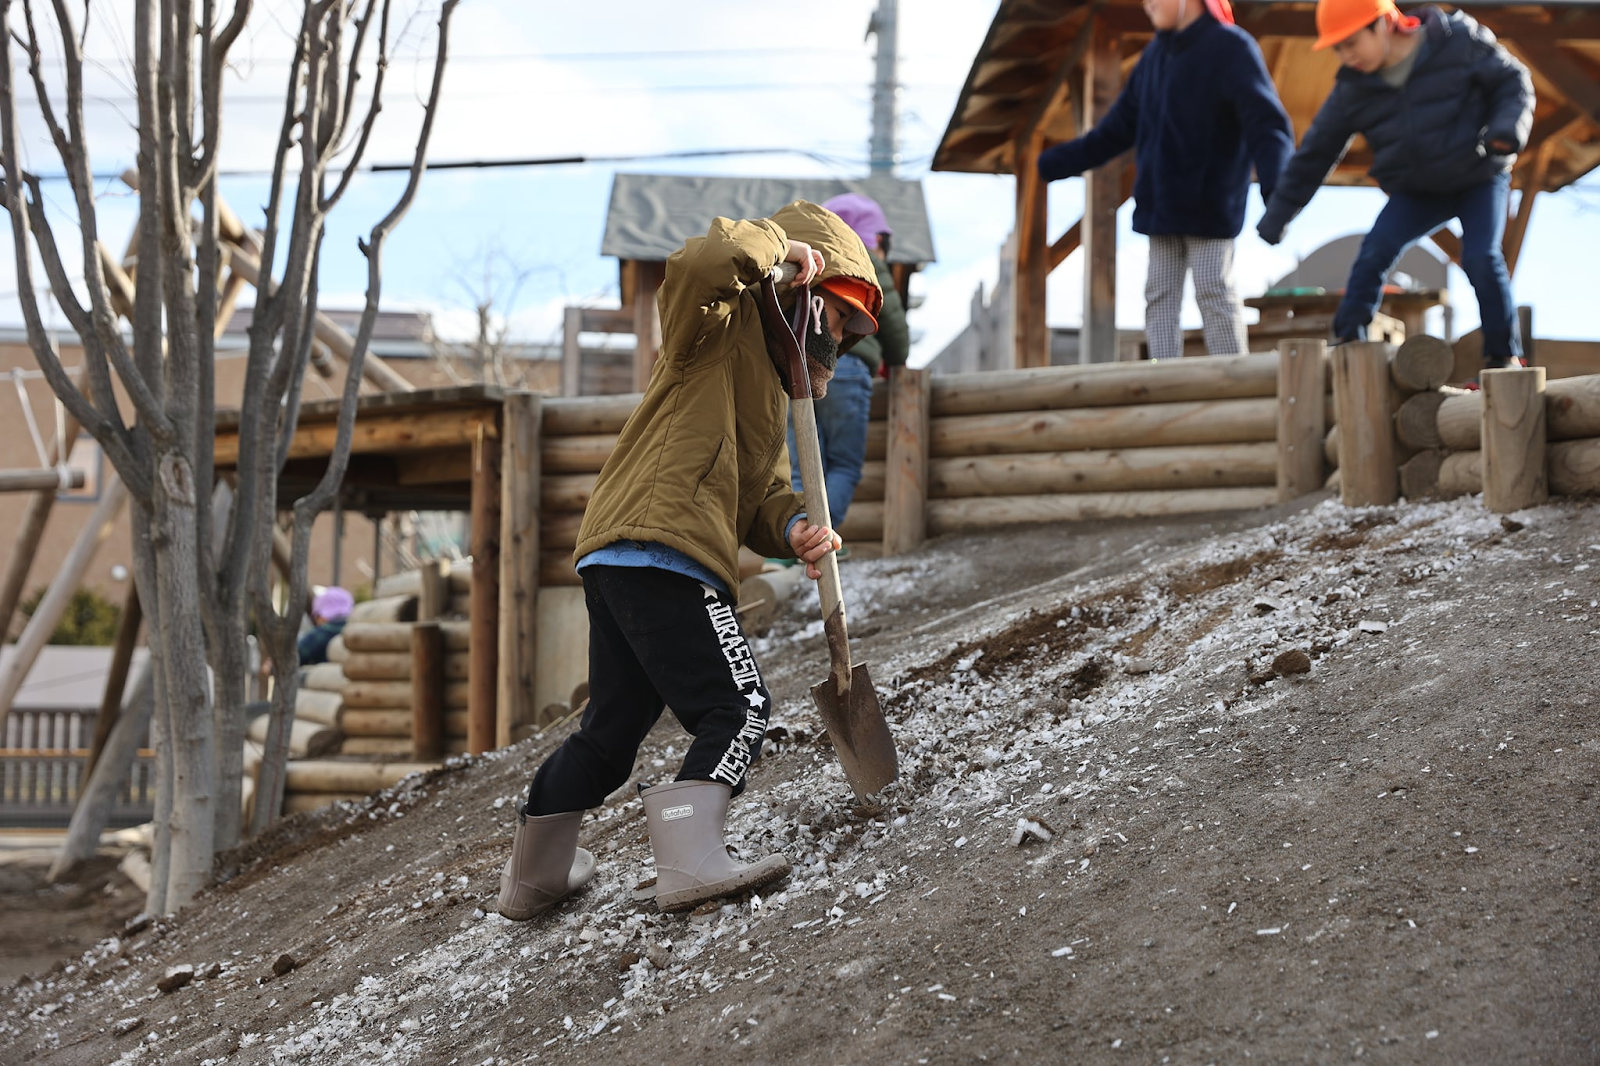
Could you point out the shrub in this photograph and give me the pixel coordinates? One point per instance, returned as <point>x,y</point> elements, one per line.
<point>90,618</point>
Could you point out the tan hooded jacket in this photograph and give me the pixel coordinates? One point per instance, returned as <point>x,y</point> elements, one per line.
<point>701,466</point>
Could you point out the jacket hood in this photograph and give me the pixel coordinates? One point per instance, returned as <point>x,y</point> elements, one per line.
<point>843,253</point>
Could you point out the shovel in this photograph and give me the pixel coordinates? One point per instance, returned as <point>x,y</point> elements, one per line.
<point>847,700</point>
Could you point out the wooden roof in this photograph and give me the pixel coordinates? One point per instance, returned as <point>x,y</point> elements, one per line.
<point>1015,78</point>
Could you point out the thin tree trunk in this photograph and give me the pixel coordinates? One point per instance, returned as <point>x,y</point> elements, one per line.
<point>144,576</point>
<point>275,757</point>
<point>183,652</point>
<point>230,669</point>
<point>108,777</point>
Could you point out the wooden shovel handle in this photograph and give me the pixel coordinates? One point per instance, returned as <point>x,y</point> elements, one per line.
<point>816,493</point>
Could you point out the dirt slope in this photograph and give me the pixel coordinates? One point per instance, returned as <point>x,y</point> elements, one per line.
<point>1390,857</point>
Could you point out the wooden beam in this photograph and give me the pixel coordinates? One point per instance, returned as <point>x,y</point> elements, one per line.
<point>1097,343</point>
<point>485,613</point>
<point>646,320</point>
<point>1032,330</point>
<point>1517,231</point>
<point>1571,77</point>
<point>571,353</point>
<point>1448,243</point>
<point>441,467</point>
<point>905,489</point>
<point>519,564</point>
<point>377,432</point>
<point>1302,384</point>
<point>1071,240</point>
<point>38,480</point>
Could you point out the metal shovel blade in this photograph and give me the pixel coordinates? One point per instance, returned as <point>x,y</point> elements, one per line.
<point>860,735</point>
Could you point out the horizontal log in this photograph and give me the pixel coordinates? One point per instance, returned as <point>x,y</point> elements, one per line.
<point>461,604</point>
<point>1419,475</point>
<point>559,529</point>
<point>584,454</point>
<point>1422,363</point>
<point>1572,412</point>
<point>389,695</point>
<point>863,523</point>
<point>378,433</point>
<point>566,492</point>
<point>1141,426</point>
<point>992,512</point>
<point>396,666</point>
<point>877,441</point>
<point>396,746</point>
<point>405,583</point>
<point>338,651</point>
<point>387,609</point>
<point>323,677</point>
<point>1125,470</point>
<point>1461,474</point>
<point>556,569</point>
<point>395,722</point>
<point>1330,446</point>
<point>1573,466</point>
<point>300,802</point>
<point>1051,388</point>
<point>870,487</point>
<point>396,636</point>
<point>569,416</point>
<point>1416,423</point>
<point>310,705</point>
<point>306,739</point>
<point>333,775</point>
<point>1572,407</point>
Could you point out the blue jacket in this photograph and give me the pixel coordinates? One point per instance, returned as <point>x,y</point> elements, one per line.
<point>1199,108</point>
<point>1429,136</point>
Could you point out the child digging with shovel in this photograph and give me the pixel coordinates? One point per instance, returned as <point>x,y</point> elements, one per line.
<point>699,468</point>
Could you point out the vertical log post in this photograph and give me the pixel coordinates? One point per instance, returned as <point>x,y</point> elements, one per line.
<point>1033,253</point>
<point>646,320</point>
<point>1514,474</point>
<point>1302,417</point>
<point>905,490</point>
<point>433,592</point>
<point>520,436</point>
<point>1102,73</point>
<point>1362,395</point>
<point>484,665</point>
<point>427,690</point>
<point>571,352</point>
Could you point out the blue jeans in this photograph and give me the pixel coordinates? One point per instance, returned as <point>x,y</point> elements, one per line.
<point>842,431</point>
<point>1405,220</point>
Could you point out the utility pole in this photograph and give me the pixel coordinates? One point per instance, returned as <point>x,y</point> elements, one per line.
<point>883,150</point>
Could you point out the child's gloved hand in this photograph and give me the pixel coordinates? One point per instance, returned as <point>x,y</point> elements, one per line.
<point>1270,232</point>
<point>811,543</point>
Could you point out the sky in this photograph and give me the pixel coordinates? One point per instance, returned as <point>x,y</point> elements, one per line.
<point>633,78</point>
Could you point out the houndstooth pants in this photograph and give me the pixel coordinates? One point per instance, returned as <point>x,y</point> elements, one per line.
<point>1211,259</point>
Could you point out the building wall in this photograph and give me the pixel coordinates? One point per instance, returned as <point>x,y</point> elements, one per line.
<point>110,574</point>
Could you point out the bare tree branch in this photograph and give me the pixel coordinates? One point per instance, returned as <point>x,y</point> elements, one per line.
<point>376,106</point>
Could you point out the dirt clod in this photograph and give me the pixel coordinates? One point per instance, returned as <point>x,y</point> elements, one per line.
<point>1293,661</point>
<point>175,980</point>
<point>284,964</point>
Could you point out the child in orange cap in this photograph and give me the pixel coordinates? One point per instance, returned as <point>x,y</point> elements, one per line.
<point>1445,110</point>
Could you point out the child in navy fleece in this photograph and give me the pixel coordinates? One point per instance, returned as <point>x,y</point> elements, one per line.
<point>1199,109</point>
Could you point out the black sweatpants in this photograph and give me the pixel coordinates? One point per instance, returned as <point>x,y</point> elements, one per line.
<point>657,639</point>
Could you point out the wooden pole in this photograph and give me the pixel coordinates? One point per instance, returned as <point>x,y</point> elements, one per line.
<point>38,480</point>
<point>45,617</point>
<point>1033,269</point>
<point>905,489</point>
<point>433,591</point>
<point>1194,466</point>
<point>648,277</point>
<point>1134,426</point>
<point>1361,385</point>
<point>1102,72</point>
<point>117,678</point>
<point>571,352</point>
<point>486,507</point>
<point>1211,377</point>
<point>519,564</point>
<point>427,690</point>
<point>1302,417</point>
<point>992,512</point>
<point>1513,432</point>
<point>1532,185</point>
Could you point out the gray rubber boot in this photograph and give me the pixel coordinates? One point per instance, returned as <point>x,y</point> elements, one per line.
<point>692,863</point>
<point>546,865</point>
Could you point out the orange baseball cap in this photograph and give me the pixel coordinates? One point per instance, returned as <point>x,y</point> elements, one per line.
<point>863,296</point>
